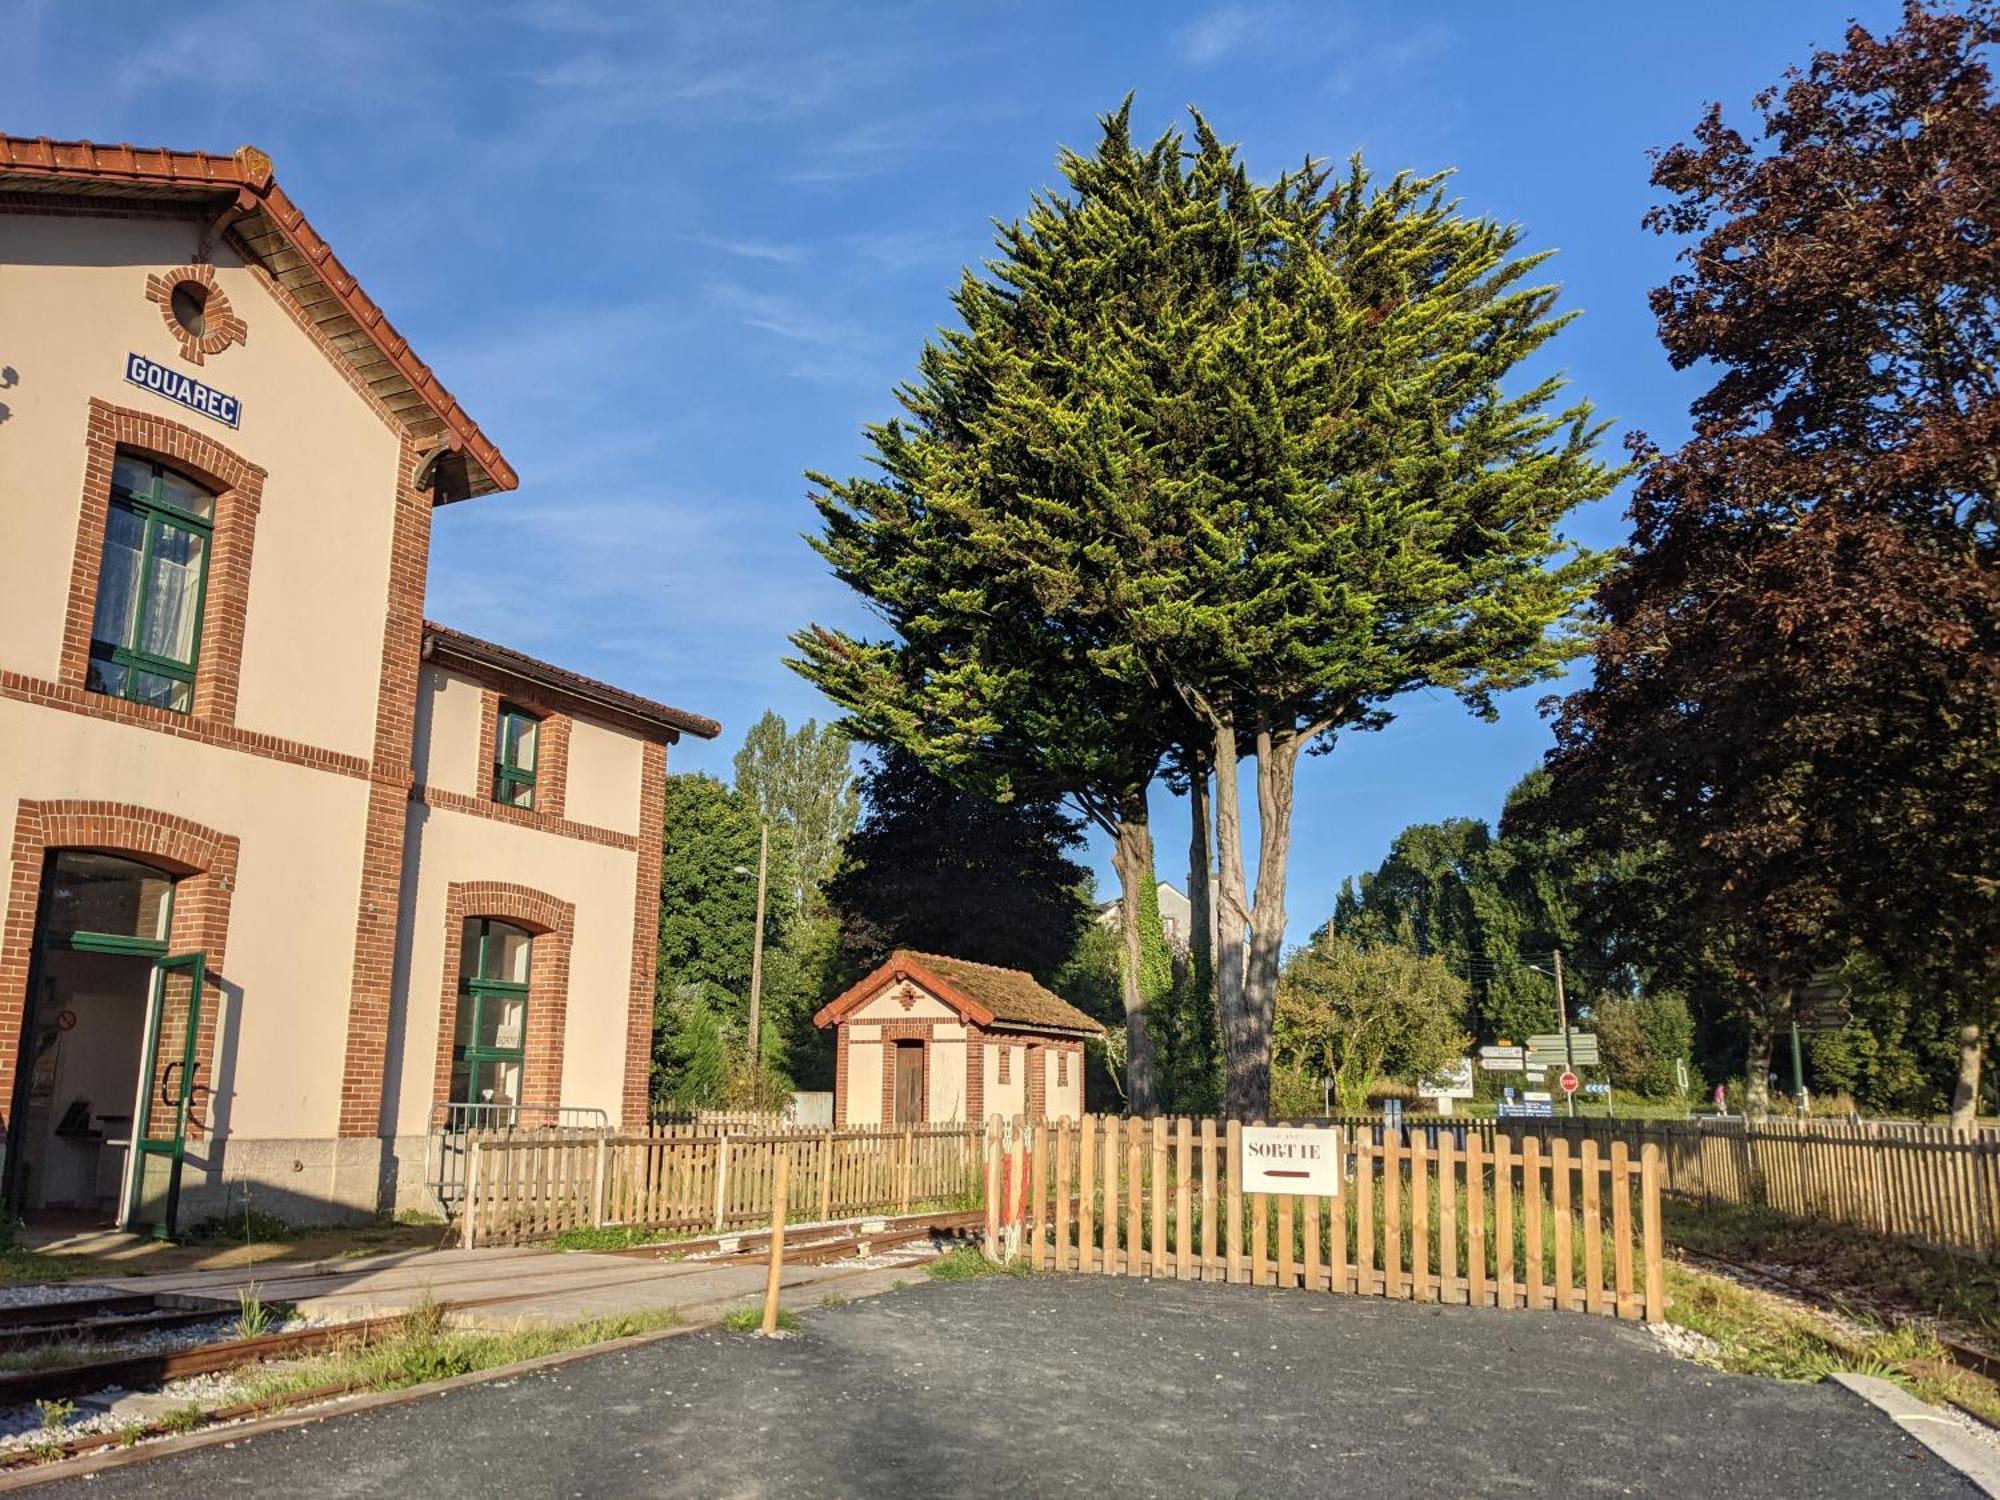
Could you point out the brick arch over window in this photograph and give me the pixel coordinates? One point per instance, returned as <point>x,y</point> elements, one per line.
<point>239,493</point>
<point>203,859</point>
<point>553,922</point>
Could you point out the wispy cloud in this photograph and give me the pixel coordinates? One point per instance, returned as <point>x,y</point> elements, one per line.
<point>1226,31</point>
<point>745,249</point>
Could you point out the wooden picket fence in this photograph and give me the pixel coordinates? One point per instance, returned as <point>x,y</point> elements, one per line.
<point>1468,1217</point>
<point>531,1185</point>
<point>1920,1183</point>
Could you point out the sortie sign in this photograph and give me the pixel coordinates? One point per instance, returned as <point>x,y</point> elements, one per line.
<point>1292,1159</point>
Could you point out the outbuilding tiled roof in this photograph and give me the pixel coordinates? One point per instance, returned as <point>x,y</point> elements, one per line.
<point>983,993</point>
<point>237,194</point>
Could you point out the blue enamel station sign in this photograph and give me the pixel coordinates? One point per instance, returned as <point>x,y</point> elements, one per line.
<point>185,389</point>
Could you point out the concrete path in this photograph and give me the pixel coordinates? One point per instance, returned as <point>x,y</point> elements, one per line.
<point>1104,1388</point>
<point>511,1286</point>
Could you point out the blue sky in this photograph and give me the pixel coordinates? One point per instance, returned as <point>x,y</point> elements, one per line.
<point>672,255</point>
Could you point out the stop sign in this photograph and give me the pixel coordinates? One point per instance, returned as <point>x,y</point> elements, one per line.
<point>1567,1083</point>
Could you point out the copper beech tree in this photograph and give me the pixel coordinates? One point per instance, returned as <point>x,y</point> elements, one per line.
<point>1797,688</point>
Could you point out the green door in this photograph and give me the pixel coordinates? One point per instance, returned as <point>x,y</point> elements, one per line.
<point>166,1090</point>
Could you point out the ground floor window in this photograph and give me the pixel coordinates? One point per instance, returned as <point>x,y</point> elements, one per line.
<point>489,1044</point>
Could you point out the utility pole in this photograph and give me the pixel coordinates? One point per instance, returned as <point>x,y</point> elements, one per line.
<point>1798,1071</point>
<point>757,947</point>
<point>1562,1015</point>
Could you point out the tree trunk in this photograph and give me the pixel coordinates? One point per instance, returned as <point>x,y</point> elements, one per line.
<point>1206,1024</point>
<point>1132,857</point>
<point>1246,1090</point>
<point>1757,1061</point>
<point>1971,1050</point>
<point>1277,770</point>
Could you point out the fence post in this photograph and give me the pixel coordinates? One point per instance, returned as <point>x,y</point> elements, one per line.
<point>993,1188</point>
<point>826,1177</point>
<point>470,1234</point>
<point>1651,1231</point>
<point>600,1183</point>
<point>774,1276</point>
<point>721,1179</point>
<point>903,1176</point>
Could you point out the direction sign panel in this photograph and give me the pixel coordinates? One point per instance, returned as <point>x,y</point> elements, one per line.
<point>1549,1050</point>
<point>1503,1059</point>
<point>1292,1159</point>
<point>1534,1109</point>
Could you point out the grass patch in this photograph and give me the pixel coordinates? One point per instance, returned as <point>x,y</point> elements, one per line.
<point>18,1267</point>
<point>611,1237</point>
<point>969,1263</point>
<point>252,1226</point>
<point>1836,1259</point>
<point>751,1319</point>
<point>1757,1335</point>
<point>425,1348</point>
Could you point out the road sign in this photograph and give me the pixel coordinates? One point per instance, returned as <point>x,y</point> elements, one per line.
<point>1534,1109</point>
<point>1597,1090</point>
<point>1292,1159</point>
<point>1822,1012</point>
<point>1550,1050</point>
<point>1503,1059</point>
<point>1455,1082</point>
<point>1537,1096</point>
<point>1568,1083</point>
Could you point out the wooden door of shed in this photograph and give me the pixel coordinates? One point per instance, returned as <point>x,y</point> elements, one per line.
<point>909,1083</point>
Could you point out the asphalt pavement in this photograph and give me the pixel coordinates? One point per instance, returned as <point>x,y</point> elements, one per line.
<point>1103,1387</point>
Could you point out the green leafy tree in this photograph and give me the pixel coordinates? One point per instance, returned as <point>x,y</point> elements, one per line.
<point>1247,453</point>
<point>1359,1014</point>
<point>946,871</point>
<point>801,780</point>
<point>1641,1037</point>
<point>708,917</point>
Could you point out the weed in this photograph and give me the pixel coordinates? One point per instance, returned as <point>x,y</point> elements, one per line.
<point>55,1414</point>
<point>750,1319</point>
<point>833,1299</point>
<point>130,1433</point>
<point>968,1263</point>
<point>617,1237</point>
<point>254,1315</point>
<point>250,1227</point>
<point>184,1419</point>
<point>423,1323</point>
<point>416,1218</point>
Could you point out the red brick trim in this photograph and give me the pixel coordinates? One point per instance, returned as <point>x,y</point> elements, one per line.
<point>1006,1063</point>
<point>239,487</point>
<point>840,1079</point>
<point>389,782</point>
<point>522,817</point>
<point>205,861</point>
<point>21,688</point>
<point>220,325</point>
<point>1037,1101</point>
<point>1062,1068</point>
<point>645,934</point>
<point>552,766</point>
<point>554,924</point>
<point>489,744</point>
<point>975,1074</point>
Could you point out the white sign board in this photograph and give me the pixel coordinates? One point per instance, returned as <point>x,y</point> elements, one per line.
<point>1455,1082</point>
<point>1292,1159</point>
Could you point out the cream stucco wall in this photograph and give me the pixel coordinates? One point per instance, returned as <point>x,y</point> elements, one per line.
<point>946,1101</point>
<point>448,755</point>
<point>864,1075</point>
<point>1009,1098</point>
<point>606,769</point>
<point>443,847</point>
<point>888,1006</point>
<point>281,1034</point>
<point>73,305</point>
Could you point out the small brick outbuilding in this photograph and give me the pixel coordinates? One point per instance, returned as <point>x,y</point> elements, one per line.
<point>927,1039</point>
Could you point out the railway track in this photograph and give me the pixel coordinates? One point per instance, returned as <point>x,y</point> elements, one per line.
<point>157,1368</point>
<point>1965,1356</point>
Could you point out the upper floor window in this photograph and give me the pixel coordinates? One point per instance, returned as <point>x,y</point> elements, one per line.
<point>514,757</point>
<point>150,585</point>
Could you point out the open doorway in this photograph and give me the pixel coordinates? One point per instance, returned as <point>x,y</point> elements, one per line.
<point>102,1015</point>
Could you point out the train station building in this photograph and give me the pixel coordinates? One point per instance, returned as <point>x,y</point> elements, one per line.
<point>298,879</point>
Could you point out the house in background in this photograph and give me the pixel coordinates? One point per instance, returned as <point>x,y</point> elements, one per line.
<point>930,1040</point>
<point>296,879</point>
<point>1176,916</point>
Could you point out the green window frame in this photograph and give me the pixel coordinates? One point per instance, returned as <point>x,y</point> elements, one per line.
<point>516,744</point>
<point>489,1040</point>
<point>152,585</point>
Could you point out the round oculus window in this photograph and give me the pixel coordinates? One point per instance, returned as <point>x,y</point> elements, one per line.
<point>190,307</point>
